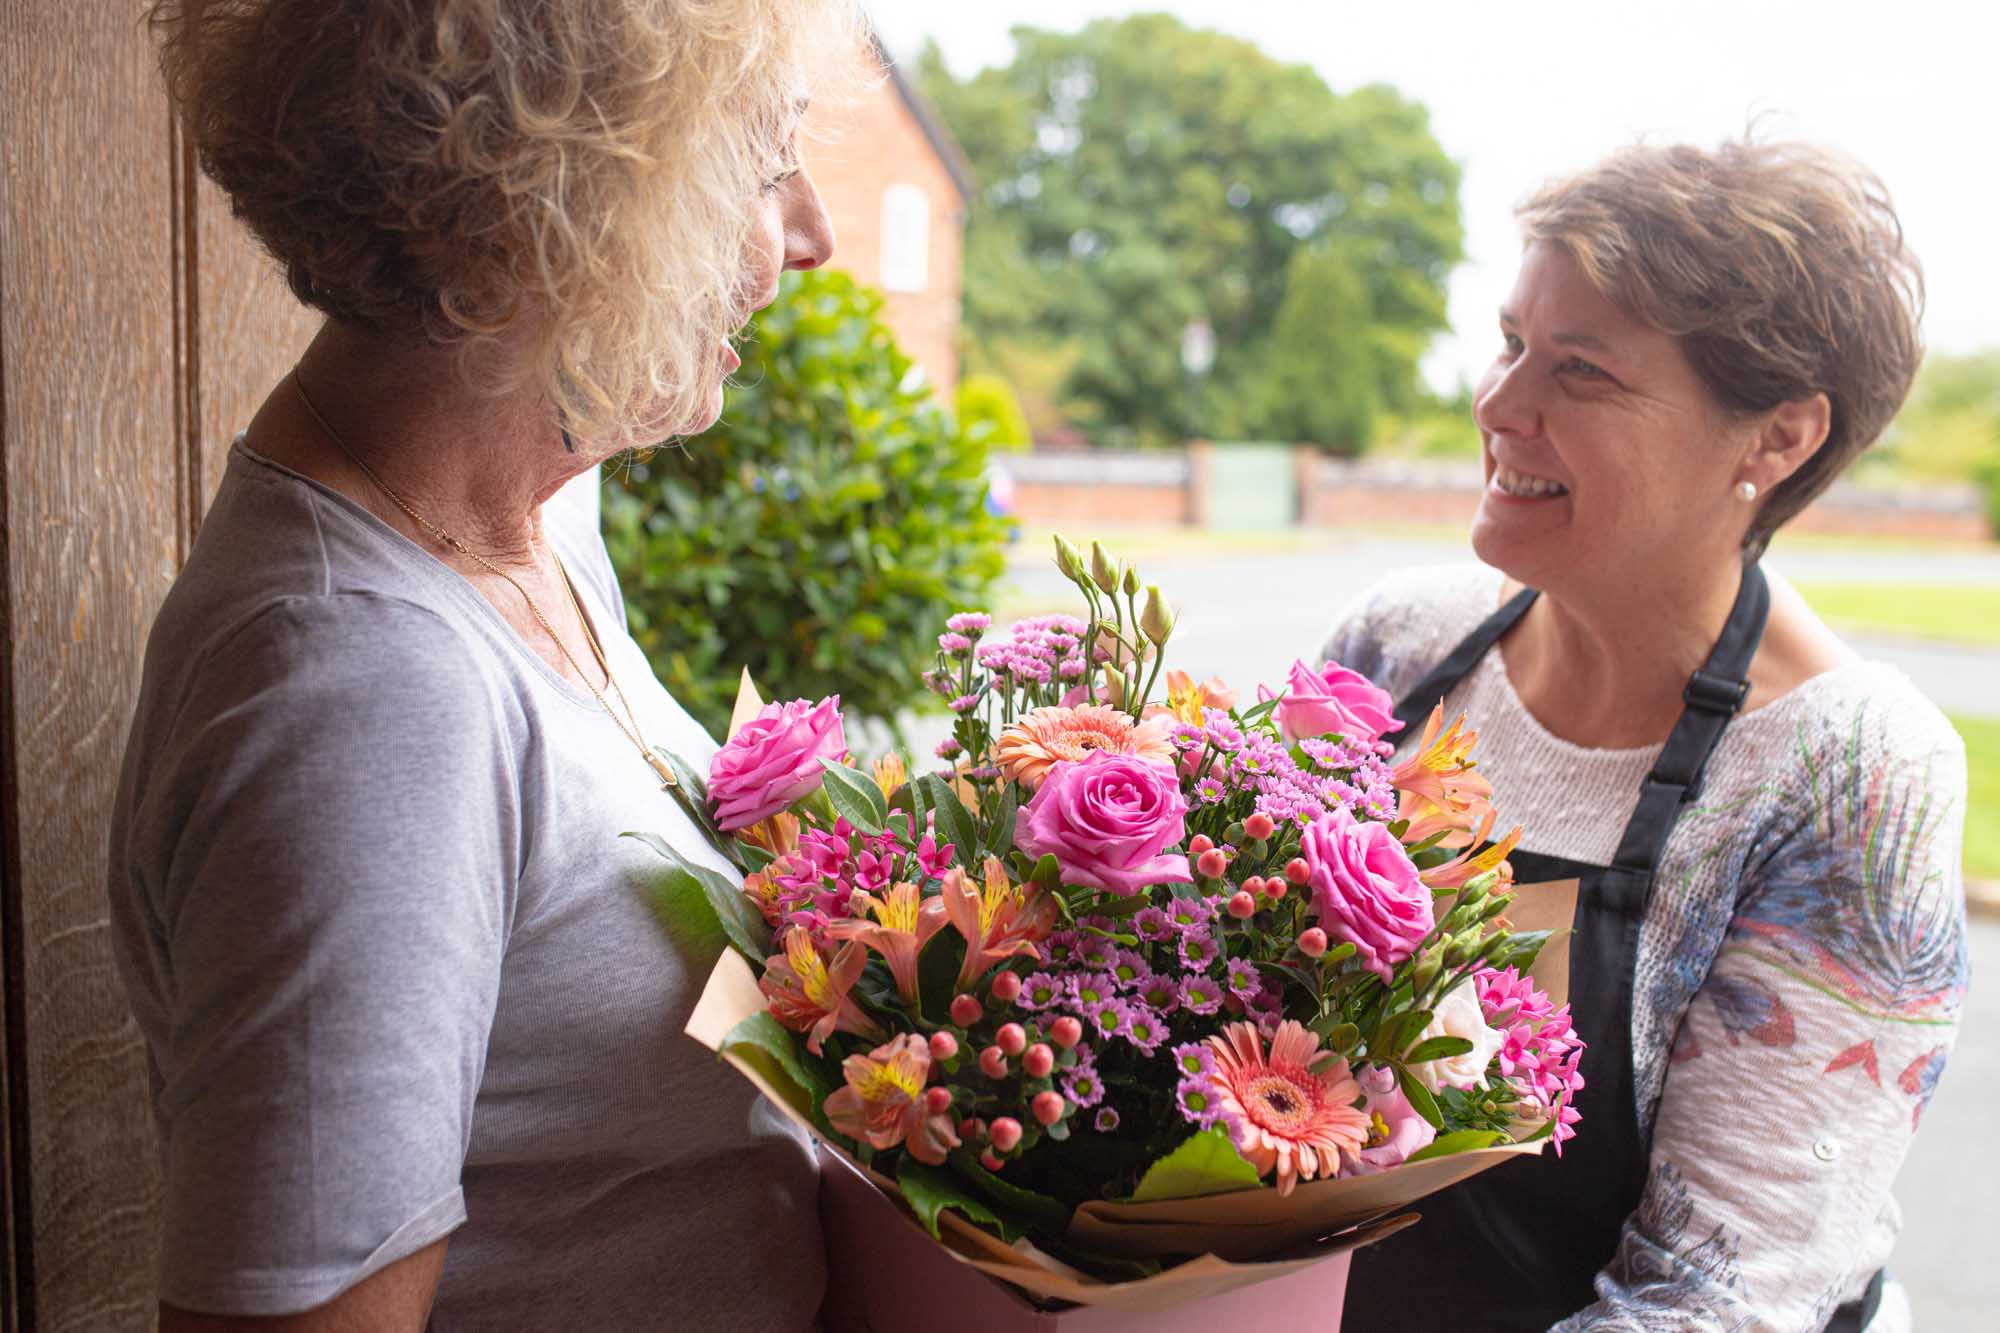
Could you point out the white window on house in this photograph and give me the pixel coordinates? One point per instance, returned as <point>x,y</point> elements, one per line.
<point>906,238</point>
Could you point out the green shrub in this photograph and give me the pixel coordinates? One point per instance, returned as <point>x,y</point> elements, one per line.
<point>989,412</point>
<point>820,533</point>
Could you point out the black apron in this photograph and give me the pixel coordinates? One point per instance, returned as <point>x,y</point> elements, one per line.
<point>1518,1246</point>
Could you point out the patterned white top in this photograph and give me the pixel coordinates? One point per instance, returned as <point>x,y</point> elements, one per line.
<point>1801,965</point>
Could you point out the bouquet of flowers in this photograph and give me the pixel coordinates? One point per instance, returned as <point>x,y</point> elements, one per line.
<point>1131,978</point>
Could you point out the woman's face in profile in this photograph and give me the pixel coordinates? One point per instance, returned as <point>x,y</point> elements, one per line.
<point>789,229</point>
<point>1603,451</point>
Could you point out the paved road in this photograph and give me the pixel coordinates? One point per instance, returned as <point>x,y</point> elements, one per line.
<point>1250,605</point>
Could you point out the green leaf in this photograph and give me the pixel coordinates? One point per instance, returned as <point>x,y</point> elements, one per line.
<point>937,974</point>
<point>761,1033</point>
<point>741,922</point>
<point>952,821</point>
<point>930,1190</point>
<point>1039,1209</point>
<point>855,796</point>
<point>1000,835</point>
<point>1420,1098</point>
<point>754,858</point>
<point>1459,1140</point>
<point>1047,872</point>
<point>1437,1048</point>
<point>1207,1163</point>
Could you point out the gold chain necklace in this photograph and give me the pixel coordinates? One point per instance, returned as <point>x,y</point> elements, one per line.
<point>652,757</point>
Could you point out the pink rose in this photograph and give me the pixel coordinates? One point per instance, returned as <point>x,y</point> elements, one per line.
<point>1335,699</point>
<point>1365,889</point>
<point>1395,1129</point>
<point>1106,819</point>
<point>774,760</point>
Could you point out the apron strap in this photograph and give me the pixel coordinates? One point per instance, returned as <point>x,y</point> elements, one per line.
<point>1416,705</point>
<point>1714,694</point>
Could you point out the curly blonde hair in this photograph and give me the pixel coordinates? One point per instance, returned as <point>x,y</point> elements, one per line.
<point>445,169</point>
<point>1781,268</point>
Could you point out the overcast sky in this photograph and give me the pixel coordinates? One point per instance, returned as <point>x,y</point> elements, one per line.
<point>1519,92</point>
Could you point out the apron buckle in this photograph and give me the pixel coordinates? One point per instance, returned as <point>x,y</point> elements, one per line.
<point>1710,693</point>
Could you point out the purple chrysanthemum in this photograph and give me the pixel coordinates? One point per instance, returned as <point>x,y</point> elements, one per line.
<point>1106,1121</point>
<point>1082,1086</point>
<point>1087,990</point>
<point>1152,924</point>
<point>1200,995</point>
<point>1144,1028</point>
<point>1198,1102</point>
<point>1193,1059</point>
<point>970,622</point>
<point>1198,949</point>
<point>1242,978</point>
<point>1040,990</point>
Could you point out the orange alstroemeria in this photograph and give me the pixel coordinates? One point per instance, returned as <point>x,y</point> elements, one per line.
<point>997,923</point>
<point>777,834</point>
<point>883,1102</point>
<point>904,922</point>
<point>1442,792</point>
<point>1186,698</point>
<point>890,774</point>
<point>809,995</point>
<point>1467,865</point>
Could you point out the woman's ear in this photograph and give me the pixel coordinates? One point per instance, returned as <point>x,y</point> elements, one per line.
<point>1791,434</point>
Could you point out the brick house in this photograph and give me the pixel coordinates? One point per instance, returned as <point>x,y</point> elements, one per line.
<point>896,185</point>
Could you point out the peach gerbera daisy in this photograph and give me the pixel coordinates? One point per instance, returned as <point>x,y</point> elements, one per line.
<point>1285,1114</point>
<point>1049,736</point>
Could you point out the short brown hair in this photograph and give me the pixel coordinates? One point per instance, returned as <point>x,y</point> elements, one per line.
<point>439,168</point>
<point>1780,267</point>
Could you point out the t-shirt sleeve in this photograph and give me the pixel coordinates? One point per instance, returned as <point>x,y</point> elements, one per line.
<point>328,846</point>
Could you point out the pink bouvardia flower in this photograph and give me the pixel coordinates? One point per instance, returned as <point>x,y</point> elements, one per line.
<point>774,760</point>
<point>883,1102</point>
<point>809,995</point>
<point>1334,699</point>
<point>1365,889</point>
<point>1107,819</point>
<point>1540,1053</point>
<point>1293,1112</point>
<point>1395,1129</point>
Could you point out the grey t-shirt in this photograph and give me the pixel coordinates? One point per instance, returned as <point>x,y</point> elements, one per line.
<point>395,966</point>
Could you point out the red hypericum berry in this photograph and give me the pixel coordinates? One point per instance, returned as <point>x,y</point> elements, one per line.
<point>937,1100</point>
<point>1312,942</point>
<point>943,1046</point>
<point>1259,826</point>
<point>1242,905</point>
<point>1297,871</point>
<point>993,1062</point>
<point>1211,863</point>
<point>965,1010</point>
<point>1048,1107</point>
<point>1199,843</point>
<point>1039,1060</point>
<point>989,1161</point>
<point>1067,1031</point>
<point>972,1129</point>
<point>1012,1038</point>
<point>1005,1132</point>
<point>1006,986</point>
<point>1276,888</point>
<point>1254,886</point>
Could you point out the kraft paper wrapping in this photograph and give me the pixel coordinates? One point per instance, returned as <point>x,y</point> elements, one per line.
<point>1230,1232</point>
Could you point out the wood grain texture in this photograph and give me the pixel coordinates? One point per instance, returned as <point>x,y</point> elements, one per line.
<point>94,520</point>
<point>247,330</point>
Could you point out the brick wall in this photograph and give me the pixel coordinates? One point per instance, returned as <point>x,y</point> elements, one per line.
<point>880,143</point>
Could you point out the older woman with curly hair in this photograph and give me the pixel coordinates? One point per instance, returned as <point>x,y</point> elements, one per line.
<point>415,1034</point>
<point>1769,948</point>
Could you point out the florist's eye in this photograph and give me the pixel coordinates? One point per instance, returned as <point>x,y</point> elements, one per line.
<point>1511,345</point>
<point>1576,365</point>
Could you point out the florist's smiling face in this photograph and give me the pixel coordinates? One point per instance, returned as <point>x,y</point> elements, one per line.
<point>1604,453</point>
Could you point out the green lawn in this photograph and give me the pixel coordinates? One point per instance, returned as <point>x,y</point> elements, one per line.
<point>1958,612</point>
<point>1982,814</point>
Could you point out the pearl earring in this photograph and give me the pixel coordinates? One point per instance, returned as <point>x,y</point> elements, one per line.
<point>1746,491</point>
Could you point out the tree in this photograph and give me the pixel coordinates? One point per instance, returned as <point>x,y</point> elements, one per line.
<point>1140,175</point>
